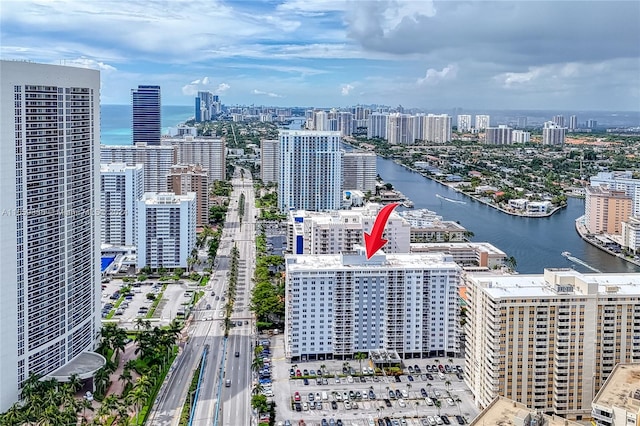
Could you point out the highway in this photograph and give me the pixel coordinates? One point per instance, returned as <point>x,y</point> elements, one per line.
<point>206,327</point>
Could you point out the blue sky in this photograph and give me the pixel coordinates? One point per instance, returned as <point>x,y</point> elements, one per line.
<point>520,54</point>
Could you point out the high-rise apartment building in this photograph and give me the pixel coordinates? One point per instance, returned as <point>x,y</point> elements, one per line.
<point>146,122</point>
<point>520,136</point>
<point>620,181</point>
<point>310,174</point>
<point>338,305</point>
<point>377,125</point>
<point>184,179</point>
<point>399,129</point>
<point>500,135</point>
<point>618,401</point>
<point>49,229</point>
<point>321,121</point>
<point>553,134</point>
<point>156,161</point>
<point>573,122</point>
<point>592,124</point>
<point>210,153</point>
<point>558,120</point>
<point>207,105</point>
<point>464,123</point>
<point>437,128</point>
<point>342,230</point>
<point>269,160</point>
<point>121,187</point>
<point>166,229</point>
<point>605,209</point>
<point>549,341</point>
<point>505,411</point>
<point>482,122</point>
<point>359,171</point>
<point>631,234</point>
<point>345,123</point>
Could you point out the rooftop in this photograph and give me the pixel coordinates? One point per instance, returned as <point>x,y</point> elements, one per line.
<point>503,411</point>
<point>84,365</point>
<point>622,388</point>
<point>456,246</point>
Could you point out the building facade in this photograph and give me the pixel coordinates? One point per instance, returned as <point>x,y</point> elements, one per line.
<point>210,153</point>
<point>631,234</point>
<point>338,305</point>
<point>342,230</point>
<point>606,209</point>
<point>377,125</point>
<point>310,170</point>
<point>147,122</point>
<point>464,123</point>
<point>359,171</point>
<point>399,129</point>
<point>482,122</point>
<point>166,229</point>
<point>500,135</point>
<point>618,401</point>
<point>436,128</point>
<point>50,232</point>
<point>520,136</point>
<point>553,134</point>
<point>156,161</point>
<point>184,179</point>
<point>269,160</point>
<point>121,187</point>
<point>620,181</point>
<point>549,341</point>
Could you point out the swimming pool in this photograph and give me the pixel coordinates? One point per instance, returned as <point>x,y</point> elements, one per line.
<point>106,261</point>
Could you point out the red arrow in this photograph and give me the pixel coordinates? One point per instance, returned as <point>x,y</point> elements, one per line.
<point>374,241</point>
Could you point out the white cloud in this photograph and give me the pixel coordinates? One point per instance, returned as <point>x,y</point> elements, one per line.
<point>84,62</point>
<point>202,84</point>
<point>434,76</point>
<point>263,93</point>
<point>345,89</point>
<point>552,73</point>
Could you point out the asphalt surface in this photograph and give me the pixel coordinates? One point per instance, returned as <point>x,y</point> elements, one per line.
<point>216,403</point>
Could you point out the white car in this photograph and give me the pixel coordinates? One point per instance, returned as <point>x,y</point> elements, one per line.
<point>349,379</point>
<point>429,401</point>
<point>404,392</point>
<point>401,403</point>
<point>450,401</point>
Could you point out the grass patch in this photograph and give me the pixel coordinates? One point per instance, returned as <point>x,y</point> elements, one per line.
<point>185,415</point>
<point>204,281</point>
<point>116,305</point>
<point>155,303</point>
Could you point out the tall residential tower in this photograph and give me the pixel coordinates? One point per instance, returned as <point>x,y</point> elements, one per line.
<point>145,101</point>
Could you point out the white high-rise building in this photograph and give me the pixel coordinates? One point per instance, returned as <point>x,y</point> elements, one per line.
<point>500,135</point>
<point>558,120</point>
<point>437,128</point>
<point>573,122</point>
<point>342,230</point>
<point>156,161</point>
<point>49,229</point>
<point>620,181</point>
<point>310,174</point>
<point>121,187</point>
<point>321,121</point>
<point>210,153</point>
<point>345,123</point>
<point>482,122</point>
<point>553,134</point>
<point>520,136</point>
<point>166,229</point>
<point>377,126</point>
<point>551,340</point>
<point>359,171</point>
<point>464,123</point>
<point>269,160</point>
<point>341,304</point>
<point>399,129</point>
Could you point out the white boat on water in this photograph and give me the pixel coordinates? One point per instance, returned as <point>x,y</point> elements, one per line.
<point>566,254</point>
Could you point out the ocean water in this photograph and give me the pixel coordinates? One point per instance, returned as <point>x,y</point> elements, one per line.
<point>115,121</point>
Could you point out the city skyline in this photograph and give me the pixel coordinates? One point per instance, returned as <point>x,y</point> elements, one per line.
<point>419,54</point>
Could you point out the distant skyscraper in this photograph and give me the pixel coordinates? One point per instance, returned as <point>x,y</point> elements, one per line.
<point>437,128</point>
<point>522,122</point>
<point>399,129</point>
<point>49,229</point>
<point>210,153</point>
<point>482,122</point>
<point>269,160</point>
<point>520,136</point>
<point>500,135</point>
<point>592,124</point>
<point>377,125</point>
<point>345,123</point>
<point>553,134</point>
<point>310,170</point>
<point>573,122</point>
<point>146,114</point>
<point>321,121</point>
<point>464,123</point>
<point>558,120</point>
<point>359,171</point>
<point>121,187</point>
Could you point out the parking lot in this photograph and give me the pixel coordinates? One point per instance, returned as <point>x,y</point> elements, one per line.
<point>136,304</point>
<point>337,391</point>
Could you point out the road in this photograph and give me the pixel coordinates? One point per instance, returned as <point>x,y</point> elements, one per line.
<point>207,328</point>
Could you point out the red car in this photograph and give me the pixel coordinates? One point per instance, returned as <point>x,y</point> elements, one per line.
<point>296,397</point>
<point>441,368</point>
<point>298,373</point>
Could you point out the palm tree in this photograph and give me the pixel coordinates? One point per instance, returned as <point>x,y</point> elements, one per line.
<point>257,364</point>
<point>511,262</point>
<point>85,405</point>
<point>126,378</point>
<point>137,397</point>
<point>109,404</point>
<point>458,401</point>
<point>75,382</point>
<point>257,388</point>
<point>447,384</point>
<point>13,416</point>
<point>101,381</point>
<point>359,357</point>
<point>438,405</point>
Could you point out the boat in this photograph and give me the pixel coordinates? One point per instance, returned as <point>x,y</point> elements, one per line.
<point>450,199</point>
<point>408,204</point>
<point>566,254</point>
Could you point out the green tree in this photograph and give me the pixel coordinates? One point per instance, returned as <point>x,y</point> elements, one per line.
<point>360,356</point>
<point>259,403</point>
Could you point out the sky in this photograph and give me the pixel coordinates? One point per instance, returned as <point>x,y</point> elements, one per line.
<point>433,55</point>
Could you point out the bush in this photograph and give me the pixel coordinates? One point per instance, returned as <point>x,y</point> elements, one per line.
<point>151,296</point>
